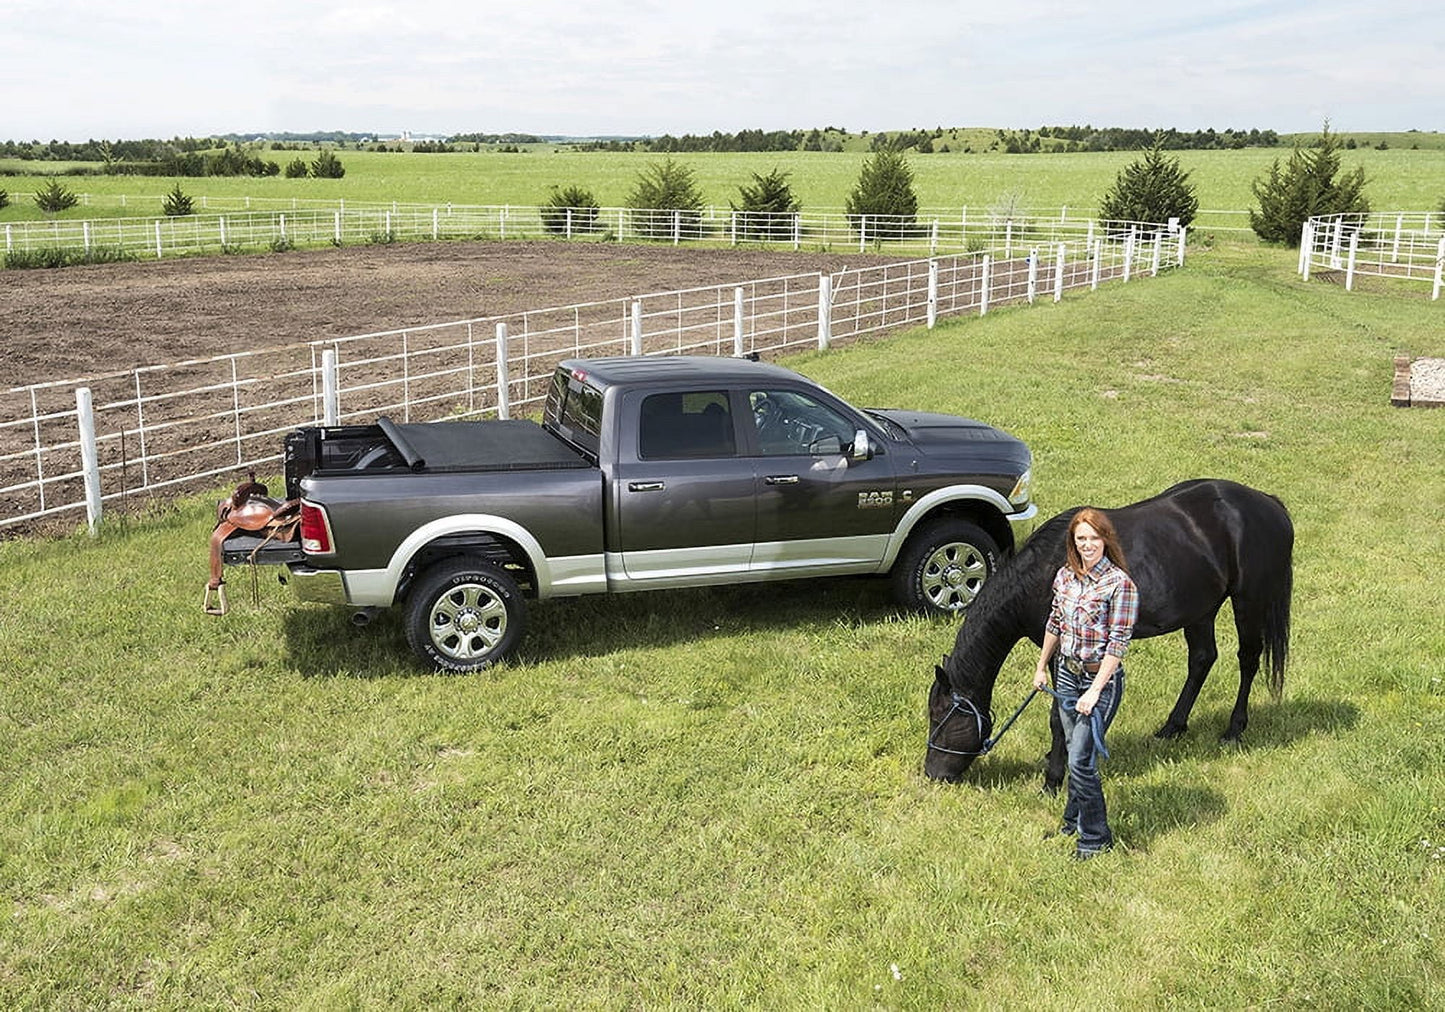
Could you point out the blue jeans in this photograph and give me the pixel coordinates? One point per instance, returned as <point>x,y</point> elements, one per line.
<point>1085,812</point>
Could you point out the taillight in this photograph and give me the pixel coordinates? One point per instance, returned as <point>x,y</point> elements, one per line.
<point>315,530</point>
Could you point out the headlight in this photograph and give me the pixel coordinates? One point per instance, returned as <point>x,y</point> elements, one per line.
<point>1020,493</point>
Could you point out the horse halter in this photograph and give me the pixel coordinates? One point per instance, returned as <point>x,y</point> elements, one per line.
<point>966,706</point>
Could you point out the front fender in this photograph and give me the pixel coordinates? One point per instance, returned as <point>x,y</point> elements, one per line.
<point>926,507</point>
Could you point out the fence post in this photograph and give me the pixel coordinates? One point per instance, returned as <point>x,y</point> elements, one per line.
<point>1350,265</point>
<point>89,459</point>
<point>825,311</point>
<point>1439,269</point>
<point>862,232</point>
<point>85,230</point>
<point>1395,253</point>
<point>223,233</point>
<point>1008,239</point>
<point>933,289</point>
<point>387,231</point>
<point>1098,265</point>
<point>797,230</point>
<point>637,326</point>
<point>504,391</point>
<point>1179,257</point>
<point>676,227</point>
<point>434,232</point>
<point>933,239</point>
<point>733,228</point>
<point>983,295</point>
<point>1059,274</point>
<point>158,240</point>
<point>569,223</point>
<point>9,240</point>
<point>1129,254</point>
<point>1158,247</point>
<point>336,226</point>
<point>330,389</point>
<point>1306,240</point>
<point>738,321</point>
<point>1033,274</point>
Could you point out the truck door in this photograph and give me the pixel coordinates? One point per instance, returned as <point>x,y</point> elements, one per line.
<point>818,509</point>
<point>683,493</point>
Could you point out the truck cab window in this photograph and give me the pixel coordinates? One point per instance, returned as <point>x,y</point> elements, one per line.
<point>791,423</point>
<point>686,426</point>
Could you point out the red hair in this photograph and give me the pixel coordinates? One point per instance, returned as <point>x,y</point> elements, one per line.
<point>1098,520</point>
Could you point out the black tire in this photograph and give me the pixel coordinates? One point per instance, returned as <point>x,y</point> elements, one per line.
<point>943,566</point>
<point>464,614</point>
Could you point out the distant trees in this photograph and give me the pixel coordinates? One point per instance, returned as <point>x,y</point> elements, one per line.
<point>665,197</point>
<point>1305,187</point>
<point>1153,188</point>
<point>883,204</point>
<point>767,207</point>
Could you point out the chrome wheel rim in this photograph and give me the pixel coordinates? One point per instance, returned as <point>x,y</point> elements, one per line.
<point>468,621</point>
<point>952,576</point>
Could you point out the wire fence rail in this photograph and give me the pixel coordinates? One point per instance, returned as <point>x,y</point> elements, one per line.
<point>250,225</point>
<point>76,445</point>
<point>1407,247</point>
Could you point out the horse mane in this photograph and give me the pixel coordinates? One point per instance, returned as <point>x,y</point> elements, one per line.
<point>999,617</point>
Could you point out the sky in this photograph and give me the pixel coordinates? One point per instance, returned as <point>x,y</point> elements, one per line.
<point>76,69</point>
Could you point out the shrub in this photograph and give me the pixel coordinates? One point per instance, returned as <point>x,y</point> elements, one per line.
<point>327,166</point>
<point>176,204</point>
<point>883,201</point>
<point>1304,188</point>
<point>1152,189</point>
<point>767,207</point>
<point>282,244</point>
<point>571,207</point>
<point>296,169</point>
<point>665,195</point>
<point>4,199</point>
<point>55,198</point>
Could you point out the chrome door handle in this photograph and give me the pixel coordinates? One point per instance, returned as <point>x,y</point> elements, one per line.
<point>646,486</point>
<point>781,479</point>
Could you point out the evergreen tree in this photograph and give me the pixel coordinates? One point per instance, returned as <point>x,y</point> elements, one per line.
<point>1305,187</point>
<point>572,206</point>
<point>327,165</point>
<point>767,207</point>
<point>666,194</point>
<point>883,202</point>
<point>176,204</point>
<point>1152,189</point>
<point>55,198</point>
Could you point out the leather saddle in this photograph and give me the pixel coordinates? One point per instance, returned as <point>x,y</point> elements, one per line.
<point>249,509</point>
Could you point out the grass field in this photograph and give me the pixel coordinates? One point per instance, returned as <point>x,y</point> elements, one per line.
<point>1400,179</point>
<point>714,799</point>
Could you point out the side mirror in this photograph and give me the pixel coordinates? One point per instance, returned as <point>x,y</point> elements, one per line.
<point>862,448</point>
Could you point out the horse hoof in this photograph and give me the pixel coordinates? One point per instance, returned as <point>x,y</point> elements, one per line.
<point>1231,738</point>
<point>1052,789</point>
<point>1171,731</point>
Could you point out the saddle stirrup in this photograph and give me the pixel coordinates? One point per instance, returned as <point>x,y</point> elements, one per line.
<point>220,607</point>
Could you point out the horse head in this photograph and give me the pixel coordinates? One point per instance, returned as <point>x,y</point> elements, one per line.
<point>958,730</point>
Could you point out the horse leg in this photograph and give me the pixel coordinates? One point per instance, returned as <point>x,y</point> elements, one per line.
<point>1057,757</point>
<point>1199,638</point>
<point>1251,648</point>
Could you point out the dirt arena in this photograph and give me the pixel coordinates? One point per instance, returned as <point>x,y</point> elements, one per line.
<point>82,321</point>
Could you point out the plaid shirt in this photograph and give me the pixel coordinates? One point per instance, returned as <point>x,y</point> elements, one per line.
<point>1093,614</point>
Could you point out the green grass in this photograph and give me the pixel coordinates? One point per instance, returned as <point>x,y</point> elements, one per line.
<point>714,798</point>
<point>1400,179</point>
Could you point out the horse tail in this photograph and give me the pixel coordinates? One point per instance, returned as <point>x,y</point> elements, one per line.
<point>1278,595</point>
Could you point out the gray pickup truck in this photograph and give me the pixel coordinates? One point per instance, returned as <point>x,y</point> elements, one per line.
<point>644,474</point>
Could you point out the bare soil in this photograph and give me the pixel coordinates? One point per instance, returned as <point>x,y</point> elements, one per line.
<point>81,321</point>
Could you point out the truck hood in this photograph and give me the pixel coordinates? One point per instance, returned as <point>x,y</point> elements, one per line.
<point>944,434</point>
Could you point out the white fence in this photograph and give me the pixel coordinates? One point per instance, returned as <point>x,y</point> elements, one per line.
<point>78,444</point>
<point>1405,246</point>
<point>244,229</point>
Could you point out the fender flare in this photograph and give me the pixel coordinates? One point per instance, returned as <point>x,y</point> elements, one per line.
<point>923,508</point>
<point>471,523</point>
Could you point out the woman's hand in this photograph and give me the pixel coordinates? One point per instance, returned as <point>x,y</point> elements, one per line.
<point>1041,678</point>
<point>1087,702</point>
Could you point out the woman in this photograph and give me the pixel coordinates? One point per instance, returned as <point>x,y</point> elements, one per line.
<point>1089,626</point>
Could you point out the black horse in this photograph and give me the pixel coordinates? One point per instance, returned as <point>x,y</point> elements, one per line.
<point>1188,549</point>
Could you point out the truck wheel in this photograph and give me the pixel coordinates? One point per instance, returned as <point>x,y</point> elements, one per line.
<point>464,614</point>
<point>943,566</point>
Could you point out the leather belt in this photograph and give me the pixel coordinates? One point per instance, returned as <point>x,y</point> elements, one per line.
<point>1092,667</point>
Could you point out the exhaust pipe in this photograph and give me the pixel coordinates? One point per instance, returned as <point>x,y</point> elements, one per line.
<point>363,616</point>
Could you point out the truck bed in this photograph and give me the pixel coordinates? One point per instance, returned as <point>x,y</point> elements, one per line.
<point>479,446</point>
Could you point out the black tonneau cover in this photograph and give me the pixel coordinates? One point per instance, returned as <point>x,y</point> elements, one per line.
<point>512,445</point>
